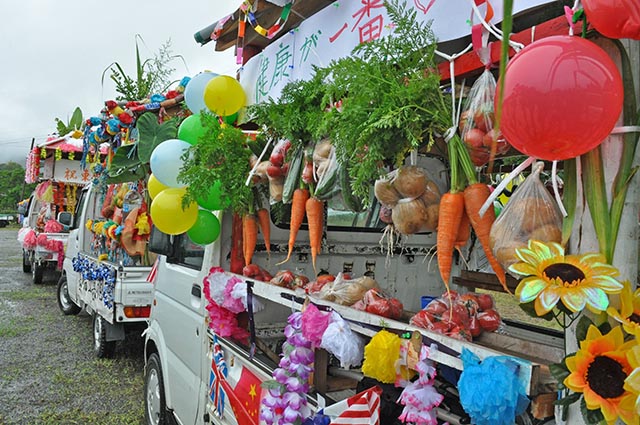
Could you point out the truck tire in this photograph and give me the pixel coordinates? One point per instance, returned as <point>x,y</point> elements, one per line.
<point>101,347</point>
<point>26,262</point>
<point>67,306</point>
<point>155,405</point>
<point>37,273</point>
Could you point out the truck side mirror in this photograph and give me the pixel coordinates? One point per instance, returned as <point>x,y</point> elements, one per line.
<point>160,243</point>
<point>65,218</point>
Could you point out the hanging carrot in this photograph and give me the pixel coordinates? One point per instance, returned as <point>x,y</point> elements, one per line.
<point>464,231</point>
<point>474,197</point>
<point>250,237</point>
<point>315,216</point>
<point>449,218</point>
<point>265,227</point>
<point>298,204</point>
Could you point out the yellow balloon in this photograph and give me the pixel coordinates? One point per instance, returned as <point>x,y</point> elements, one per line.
<point>167,213</point>
<point>154,186</point>
<point>224,95</point>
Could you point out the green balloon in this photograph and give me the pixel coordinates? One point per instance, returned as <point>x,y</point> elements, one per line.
<point>214,200</point>
<point>191,129</point>
<point>230,119</point>
<point>497,208</point>
<point>206,229</point>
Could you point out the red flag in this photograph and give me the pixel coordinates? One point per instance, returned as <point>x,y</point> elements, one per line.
<point>245,397</point>
<point>360,409</point>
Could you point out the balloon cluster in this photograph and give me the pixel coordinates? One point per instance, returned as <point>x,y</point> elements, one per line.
<point>224,96</point>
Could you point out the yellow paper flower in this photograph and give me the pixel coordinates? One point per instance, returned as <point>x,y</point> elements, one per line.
<point>629,313</point>
<point>632,383</point>
<point>380,356</point>
<point>575,280</point>
<point>142,224</point>
<point>89,224</point>
<point>598,371</point>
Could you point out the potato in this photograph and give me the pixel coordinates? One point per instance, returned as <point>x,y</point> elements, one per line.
<point>534,213</point>
<point>431,195</point>
<point>411,181</point>
<point>321,151</point>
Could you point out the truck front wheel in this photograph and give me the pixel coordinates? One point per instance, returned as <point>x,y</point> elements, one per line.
<point>154,402</point>
<point>102,347</point>
<point>67,306</point>
<point>26,262</point>
<point>37,273</point>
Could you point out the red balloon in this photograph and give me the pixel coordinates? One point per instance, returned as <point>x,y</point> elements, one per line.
<point>562,97</point>
<point>614,18</point>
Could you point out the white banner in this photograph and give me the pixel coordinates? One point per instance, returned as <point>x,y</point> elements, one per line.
<point>66,171</point>
<point>335,30</point>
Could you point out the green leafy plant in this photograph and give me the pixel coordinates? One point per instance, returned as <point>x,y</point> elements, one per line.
<point>152,133</point>
<point>221,155</point>
<point>76,122</point>
<point>296,115</point>
<point>152,74</point>
<point>391,99</point>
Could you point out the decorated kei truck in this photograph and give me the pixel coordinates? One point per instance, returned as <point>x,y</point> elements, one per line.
<point>55,166</point>
<point>107,263</point>
<point>345,330</point>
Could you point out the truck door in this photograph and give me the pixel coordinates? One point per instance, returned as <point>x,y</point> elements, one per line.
<point>179,311</point>
<point>74,243</point>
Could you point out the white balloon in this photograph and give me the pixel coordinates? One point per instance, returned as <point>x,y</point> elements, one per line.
<point>166,163</point>
<point>194,91</point>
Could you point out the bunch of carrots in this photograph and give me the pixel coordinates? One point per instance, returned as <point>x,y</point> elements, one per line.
<point>250,224</point>
<point>460,208</point>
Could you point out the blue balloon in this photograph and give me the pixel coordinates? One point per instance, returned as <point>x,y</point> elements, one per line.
<point>166,163</point>
<point>194,92</point>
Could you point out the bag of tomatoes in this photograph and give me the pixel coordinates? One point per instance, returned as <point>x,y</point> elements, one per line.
<point>477,121</point>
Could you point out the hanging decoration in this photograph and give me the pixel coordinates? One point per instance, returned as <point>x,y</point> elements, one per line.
<point>32,166</point>
<point>99,276</point>
<point>71,192</point>
<point>270,32</point>
<point>560,76</point>
<point>420,398</point>
<point>380,356</point>
<point>489,389</point>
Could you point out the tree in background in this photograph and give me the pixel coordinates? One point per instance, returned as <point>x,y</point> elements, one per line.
<point>11,187</point>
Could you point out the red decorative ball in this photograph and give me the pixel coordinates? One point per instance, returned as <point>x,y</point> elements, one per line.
<point>562,97</point>
<point>614,18</point>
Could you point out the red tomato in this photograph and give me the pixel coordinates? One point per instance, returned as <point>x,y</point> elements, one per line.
<point>489,320</point>
<point>423,319</point>
<point>483,120</point>
<point>474,138</point>
<point>474,326</point>
<point>485,302</point>
<point>436,306</point>
<point>274,170</point>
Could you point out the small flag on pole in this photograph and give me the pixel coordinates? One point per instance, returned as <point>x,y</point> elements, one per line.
<point>154,271</point>
<point>360,409</point>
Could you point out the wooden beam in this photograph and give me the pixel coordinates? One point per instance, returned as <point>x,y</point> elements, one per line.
<point>470,63</point>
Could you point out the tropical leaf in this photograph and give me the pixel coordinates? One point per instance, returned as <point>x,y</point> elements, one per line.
<point>152,134</point>
<point>76,121</point>
<point>125,166</point>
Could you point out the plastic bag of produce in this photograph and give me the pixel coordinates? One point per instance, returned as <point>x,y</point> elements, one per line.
<point>376,302</point>
<point>477,121</point>
<point>346,291</point>
<point>531,213</point>
<point>413,197</point>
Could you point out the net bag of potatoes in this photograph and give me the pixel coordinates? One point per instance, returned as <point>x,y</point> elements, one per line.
<point>531,213</point>
<point>413,197</point>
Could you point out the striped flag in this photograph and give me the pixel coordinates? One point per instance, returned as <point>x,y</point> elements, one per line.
<point>154,271</point>
<point>218,372</point>
<point>360,409</point>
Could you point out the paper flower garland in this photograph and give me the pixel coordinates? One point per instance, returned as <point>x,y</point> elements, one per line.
<point>342,342</point>
<point>286,400</point>
<point>222,320</point>
<point>102,275</point>
<point>380,357</point>
<point>420,398</point>
<point>490,391</point>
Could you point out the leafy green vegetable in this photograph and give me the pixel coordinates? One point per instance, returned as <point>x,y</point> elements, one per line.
<point>296,115</point>
<point>152,133</point>
<point>221,155</point>
<point>392,101</point>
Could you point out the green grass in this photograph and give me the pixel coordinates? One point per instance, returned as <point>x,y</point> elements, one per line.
<point>79,417</point>
<point>32,293</point>
<point>16,327</point>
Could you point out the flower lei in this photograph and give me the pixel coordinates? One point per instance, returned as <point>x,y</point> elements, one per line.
<point>285,402</point>
<point>58,154</point>
<point>58,196</point>
<point>33,166</point>
<point>99,273</point>
<point>71,192</point>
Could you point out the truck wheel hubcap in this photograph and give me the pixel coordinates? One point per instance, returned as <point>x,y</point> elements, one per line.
<point>97,332</point>
<point>64,296</point>
<point>153,397</point>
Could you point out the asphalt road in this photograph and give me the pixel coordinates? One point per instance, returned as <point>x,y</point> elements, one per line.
<point>48,371</point>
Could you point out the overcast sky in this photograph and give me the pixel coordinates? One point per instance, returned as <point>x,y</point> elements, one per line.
<point>53,53</point>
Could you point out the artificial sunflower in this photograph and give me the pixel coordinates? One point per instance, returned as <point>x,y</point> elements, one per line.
<point>629,313</point>
<point>632,383</point>
<point>599,369</point>
<point>574,280</point>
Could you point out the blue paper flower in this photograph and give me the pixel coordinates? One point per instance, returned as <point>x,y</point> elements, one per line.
<point>490,391</point>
